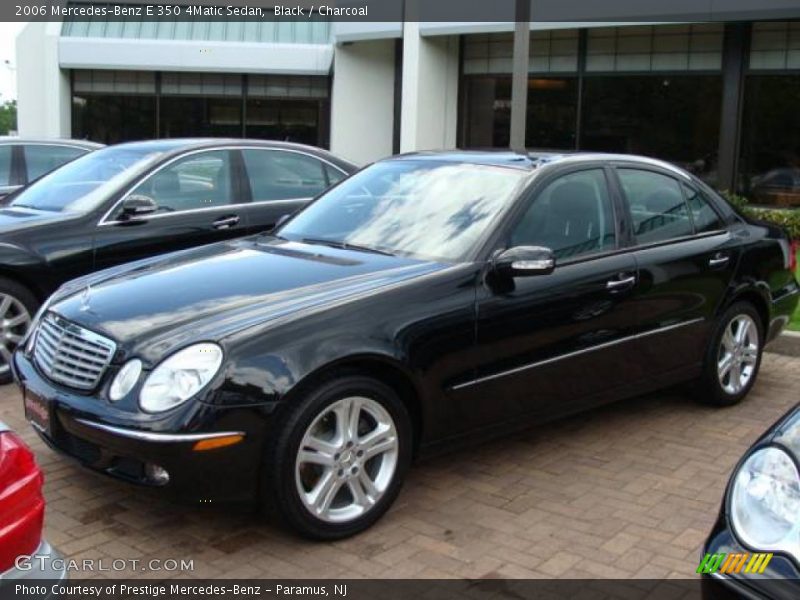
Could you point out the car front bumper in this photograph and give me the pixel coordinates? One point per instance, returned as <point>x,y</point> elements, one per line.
<point>48,564</point>
<point>80,427</point>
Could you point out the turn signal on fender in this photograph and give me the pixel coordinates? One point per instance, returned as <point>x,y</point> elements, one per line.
<point>214,443</point>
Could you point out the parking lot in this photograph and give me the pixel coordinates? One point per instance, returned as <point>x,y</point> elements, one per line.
<point>629,490</point>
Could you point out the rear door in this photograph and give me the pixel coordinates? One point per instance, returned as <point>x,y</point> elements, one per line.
<point>282,182</point>
<point>686,258</point>
<point>200,200</point>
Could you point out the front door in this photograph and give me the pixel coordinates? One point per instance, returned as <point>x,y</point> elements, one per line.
<point>548,344</point>
<point>198,198</point>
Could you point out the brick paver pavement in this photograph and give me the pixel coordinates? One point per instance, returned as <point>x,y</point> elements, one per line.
<point>628,490</point>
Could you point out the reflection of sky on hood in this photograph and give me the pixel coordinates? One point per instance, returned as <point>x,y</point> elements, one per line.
<point>438,211</point>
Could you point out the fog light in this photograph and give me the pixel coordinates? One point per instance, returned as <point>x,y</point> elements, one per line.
<point>156,474</point>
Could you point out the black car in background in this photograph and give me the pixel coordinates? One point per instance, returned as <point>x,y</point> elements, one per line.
<point>753,550</point>
<point>24,160</point>
<point>427,299</point>
<point>135,200</point>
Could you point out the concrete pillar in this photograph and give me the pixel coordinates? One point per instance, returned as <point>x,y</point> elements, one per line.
<point>44,98</point>
<point>362,103</point>
<point>429,107</point>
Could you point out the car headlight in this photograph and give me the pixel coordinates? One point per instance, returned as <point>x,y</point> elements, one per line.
<point>180,377</point>
<point>126,378</point>
<point>765,502</point>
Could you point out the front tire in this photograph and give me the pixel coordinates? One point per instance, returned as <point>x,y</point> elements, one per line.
<point>340,458</point>
<point>734,356</point>
<point>17,307</point>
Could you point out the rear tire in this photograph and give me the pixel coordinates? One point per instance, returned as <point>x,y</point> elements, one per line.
<point>17,307</point>
<point>339,457</point>
<point>733,357</point>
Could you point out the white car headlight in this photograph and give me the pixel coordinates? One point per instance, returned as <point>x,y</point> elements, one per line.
<point>765,502</point>
<point>180,377</point>
<point>126,378</point>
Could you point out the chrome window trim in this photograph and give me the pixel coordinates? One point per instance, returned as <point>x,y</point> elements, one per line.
<point>149,436</point>
<point>573,354</point>
<point>104,220</point>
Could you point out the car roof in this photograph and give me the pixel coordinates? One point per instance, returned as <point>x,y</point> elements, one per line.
<point>4,140</point>
<point>533,159</point>
<point>178,145</point>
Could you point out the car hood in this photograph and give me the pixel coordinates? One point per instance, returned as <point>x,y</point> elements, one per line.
<point>153,306</point>
<point>15,219</point>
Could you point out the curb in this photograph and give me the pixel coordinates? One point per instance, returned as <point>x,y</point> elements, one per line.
<point>787,343</point>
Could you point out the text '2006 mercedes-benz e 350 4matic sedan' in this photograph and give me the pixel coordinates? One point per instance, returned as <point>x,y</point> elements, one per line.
<point>425,299</point>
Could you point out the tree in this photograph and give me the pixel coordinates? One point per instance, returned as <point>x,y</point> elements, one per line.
<point>8,117</point>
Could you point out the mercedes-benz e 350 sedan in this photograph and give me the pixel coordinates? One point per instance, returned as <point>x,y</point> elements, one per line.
<point>423,300</point>
<point>140,199</point>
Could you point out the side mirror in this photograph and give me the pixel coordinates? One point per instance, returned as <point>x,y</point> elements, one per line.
<point>138,205</point>
<point>525,261</point>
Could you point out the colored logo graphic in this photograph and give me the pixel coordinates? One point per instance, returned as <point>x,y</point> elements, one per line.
<point>737,562</point>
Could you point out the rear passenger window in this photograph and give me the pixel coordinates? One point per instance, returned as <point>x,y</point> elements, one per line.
<point>5,165</point>
<point>280,175</point>
<point>657,206</point>
<point>43,159</point>
<point>572,216</point>
<point>704,216</point>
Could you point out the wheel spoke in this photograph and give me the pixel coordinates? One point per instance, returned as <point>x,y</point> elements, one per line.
<point>724,365</point>
<point>5,304</point>
<point>18,320</point>
<point>742,331</point>
<point>319,446</point>
<point>736,377</point>
<point>324,492</point>
<point>728,340</point>
<point>379,446</point>
<point>316,458</point>
<point>359,497</point>
<point>368,485</point>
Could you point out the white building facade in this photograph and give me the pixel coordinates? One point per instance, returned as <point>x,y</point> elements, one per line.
<point>711,96</point>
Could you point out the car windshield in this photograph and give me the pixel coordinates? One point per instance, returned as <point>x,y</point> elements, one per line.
<point>426,209</point>
<point>81,185</point>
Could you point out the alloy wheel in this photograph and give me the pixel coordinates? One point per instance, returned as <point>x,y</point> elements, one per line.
<point>14,322</point>
<point>347,459</point>
<point>738,354</point>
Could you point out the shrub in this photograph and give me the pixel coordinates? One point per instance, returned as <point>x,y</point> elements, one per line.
<point>786,218</point>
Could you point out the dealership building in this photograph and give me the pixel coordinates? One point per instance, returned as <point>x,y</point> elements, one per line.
<point>717,92</point>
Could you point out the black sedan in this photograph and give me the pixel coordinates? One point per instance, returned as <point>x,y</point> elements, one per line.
<point>137,200</point>
<point>23,160</point>
<point>754,548</point>
<point>427,299</point>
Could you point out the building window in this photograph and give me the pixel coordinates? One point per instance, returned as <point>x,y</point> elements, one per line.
<point>675,118</point>
<point>769,164</point>
<point>552,89</point>
<point>113,106</point>
<point>775,45</point>
<point>655,48</point>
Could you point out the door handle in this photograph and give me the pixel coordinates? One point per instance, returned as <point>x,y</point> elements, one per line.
<point>618,284</point>
<point>226,222</point>
<point>718,260</point>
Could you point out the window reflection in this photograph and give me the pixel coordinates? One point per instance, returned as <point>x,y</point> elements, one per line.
<point>425,209</point>
<point>769,166</point>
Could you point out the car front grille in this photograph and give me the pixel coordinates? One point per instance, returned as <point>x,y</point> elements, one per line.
<point>69,354</point>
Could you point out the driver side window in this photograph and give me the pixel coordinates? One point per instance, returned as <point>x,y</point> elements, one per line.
<point>572,216</point>
<point>200,180</point>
